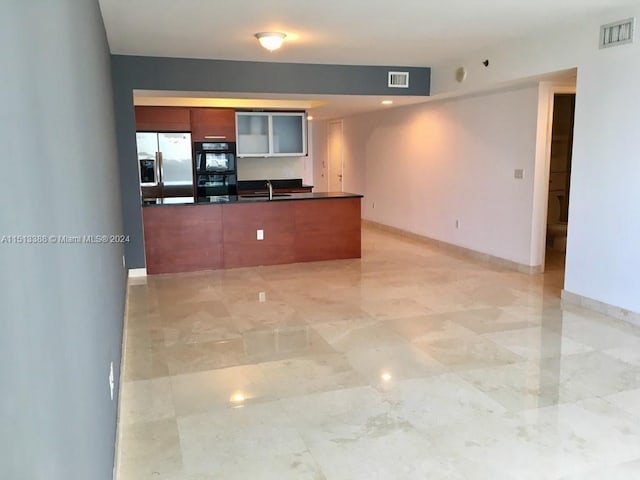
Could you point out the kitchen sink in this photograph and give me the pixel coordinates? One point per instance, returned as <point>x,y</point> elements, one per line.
<point>264,195</point>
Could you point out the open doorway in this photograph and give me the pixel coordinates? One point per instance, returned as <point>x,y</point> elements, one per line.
<point>559,180</point>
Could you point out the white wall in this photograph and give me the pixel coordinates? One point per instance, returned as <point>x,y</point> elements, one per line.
<point>320,159</point>
<point>603,258</point>
<point>426,166</point>
<point>275,168</point>
<point>272,168</point>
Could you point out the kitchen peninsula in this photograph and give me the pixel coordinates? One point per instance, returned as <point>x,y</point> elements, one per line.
<point>208,233</point>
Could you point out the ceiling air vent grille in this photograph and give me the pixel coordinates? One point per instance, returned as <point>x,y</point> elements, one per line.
<point>617,33</point>
<point>398,80</point>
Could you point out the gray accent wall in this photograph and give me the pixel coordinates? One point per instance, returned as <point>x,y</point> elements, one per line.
<point>61,305</point>
<point>159,73</point>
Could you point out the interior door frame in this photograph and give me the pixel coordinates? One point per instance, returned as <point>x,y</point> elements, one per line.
<point>543,166</point>
<point>329,162</point>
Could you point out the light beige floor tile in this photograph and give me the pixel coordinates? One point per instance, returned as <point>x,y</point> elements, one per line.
<point>629,354</point>
<point>545,443</point>
<point>468,352</point>
<point>346,336</point>
<point>265,345</point>
<point>144,363</point>
<point>439,400</point>
<point>197,357</point>
<point>525,385</point>
<point>629,401</point>
<point>383,365</point>
<point>149,450</point>
<point>310,374</point>
<point>488,320</point>
<point>146,401</point>
<point>537,342</point>
<point>622,471</point>
<point>243,443</point>
<point>385,309</point>
<point>412,362</point>
<point>220,389</point>
<point>199,327</point>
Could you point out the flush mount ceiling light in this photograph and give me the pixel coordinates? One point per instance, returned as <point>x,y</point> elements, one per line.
<point>386,102</point>
<point>271,40</point>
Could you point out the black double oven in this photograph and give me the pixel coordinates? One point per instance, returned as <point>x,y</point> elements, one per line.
<point>215,168</point>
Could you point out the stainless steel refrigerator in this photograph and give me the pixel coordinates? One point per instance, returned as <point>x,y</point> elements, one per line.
<point>165,163</point>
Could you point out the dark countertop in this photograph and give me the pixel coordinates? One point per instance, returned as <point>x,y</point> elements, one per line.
<point>262,184</point>
<point>278,197</point>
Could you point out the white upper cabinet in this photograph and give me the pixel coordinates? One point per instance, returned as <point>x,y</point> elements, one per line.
<point>271,134</point>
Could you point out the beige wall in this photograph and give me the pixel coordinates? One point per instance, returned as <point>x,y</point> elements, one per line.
<point>423,167</point>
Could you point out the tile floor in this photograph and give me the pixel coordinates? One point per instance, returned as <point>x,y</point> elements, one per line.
<point>410,363</point>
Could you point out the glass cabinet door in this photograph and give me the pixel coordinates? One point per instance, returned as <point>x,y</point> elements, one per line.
<point>253,133</point>
<point>271,134</point>
<point>288,133</point>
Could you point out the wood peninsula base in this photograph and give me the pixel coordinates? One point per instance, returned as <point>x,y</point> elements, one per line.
<point>209,236</point>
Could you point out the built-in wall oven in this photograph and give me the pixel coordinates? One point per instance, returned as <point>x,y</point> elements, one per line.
<point>215,165</point>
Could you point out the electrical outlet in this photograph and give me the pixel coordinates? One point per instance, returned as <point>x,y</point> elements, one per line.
<point>262,297</point>
<point>111,380</point>
<point>260,234</point>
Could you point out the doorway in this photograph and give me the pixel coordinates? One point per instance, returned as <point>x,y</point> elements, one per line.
<point>335,171</point>
<point>559,179</point>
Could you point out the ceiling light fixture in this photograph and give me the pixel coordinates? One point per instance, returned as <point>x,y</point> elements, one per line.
<point>387,102</point>
<point>271,40</point>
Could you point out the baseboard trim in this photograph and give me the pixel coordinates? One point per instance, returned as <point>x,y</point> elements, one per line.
<point>466,252</point>
<point>137,272</point>
<point>601,307</point>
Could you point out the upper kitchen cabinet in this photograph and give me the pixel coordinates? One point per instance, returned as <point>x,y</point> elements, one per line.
<point>162,119</point>
<point>271,134</point>
<point>213,124</point>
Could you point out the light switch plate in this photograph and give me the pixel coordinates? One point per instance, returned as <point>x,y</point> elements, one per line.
<point>260,234</point>
<point>518,173</point>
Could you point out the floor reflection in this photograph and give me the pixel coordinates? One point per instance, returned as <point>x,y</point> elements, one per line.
<point>411,362</point>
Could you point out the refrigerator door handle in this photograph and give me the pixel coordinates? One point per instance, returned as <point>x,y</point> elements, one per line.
<point>160,167</point>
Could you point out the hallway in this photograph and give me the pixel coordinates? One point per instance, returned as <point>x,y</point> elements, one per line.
<point>410,363</point>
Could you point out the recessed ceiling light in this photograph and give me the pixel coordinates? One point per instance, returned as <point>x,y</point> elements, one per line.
<point>387,102</point>
<point>386,376</point>
<point>271,40</point>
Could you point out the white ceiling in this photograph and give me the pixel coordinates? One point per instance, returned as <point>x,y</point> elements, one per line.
<point>367,32</point>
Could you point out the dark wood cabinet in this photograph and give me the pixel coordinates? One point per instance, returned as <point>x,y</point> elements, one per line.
<point>183,238</point>
<point>163,119</point>
<point>208,237</point>
<point>213,124</point>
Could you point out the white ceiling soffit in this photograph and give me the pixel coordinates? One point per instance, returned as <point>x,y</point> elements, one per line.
<point>373,32</point>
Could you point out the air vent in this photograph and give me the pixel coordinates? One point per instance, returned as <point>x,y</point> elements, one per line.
<point>398,80</point>
<point>617,33</point>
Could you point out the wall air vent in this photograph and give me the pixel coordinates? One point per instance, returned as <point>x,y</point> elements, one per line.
<point>398,80</point>
<point>617,33</point>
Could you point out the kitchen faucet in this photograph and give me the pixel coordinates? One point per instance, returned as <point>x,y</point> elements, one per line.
<point>270,187</point>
